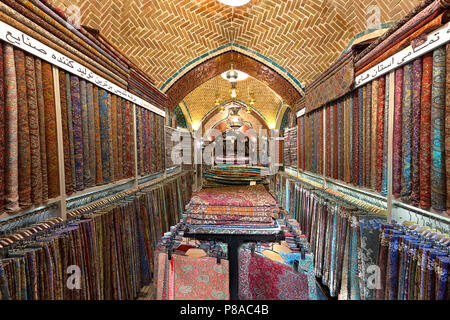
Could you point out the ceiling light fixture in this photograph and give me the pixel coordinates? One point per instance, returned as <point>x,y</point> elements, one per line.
<point>234,3</point>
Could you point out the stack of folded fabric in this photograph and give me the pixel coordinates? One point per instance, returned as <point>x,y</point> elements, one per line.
<point>232,207</point>
<point>232,160</point>
<point>233,175</point>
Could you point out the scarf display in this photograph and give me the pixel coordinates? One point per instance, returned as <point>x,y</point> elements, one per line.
<point>28,130</point>
<point>112,247</point>
<point>291,147</point>
<point>343,240</point>
<point>411,268</point>
<point>150,146</point>
<point>97,144</point>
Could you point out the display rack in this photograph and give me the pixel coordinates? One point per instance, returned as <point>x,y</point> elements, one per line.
<point>234,242</point>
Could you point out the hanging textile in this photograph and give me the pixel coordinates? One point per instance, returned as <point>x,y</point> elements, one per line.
<point>71,134</point>
<point>2,146</point>
<point>66,133</point>
<point>406,133</point>
<point>367,139</point>
<point>438,181</point>
<point>373,160</point>
<point>98,141</point>
<point>91,135</point>
<point>385,137</point>
<point>104,130</point>
<point>11,117</point>
<point>397,145</point>
<point>23,132</point>
<point>425,132</point>
<point>447,126</point>
<point>77,132</point>
<point>415,144</point>
<point>87,181</point>
<point>356,138</point>
<point>360,135</point>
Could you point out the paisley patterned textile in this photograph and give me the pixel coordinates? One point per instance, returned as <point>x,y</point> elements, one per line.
<point>11,136</point>
<point>374,117</point>
<point>91,135</point>
<point>263,279</point>
<point>87,179</point>
<point>200,279</point>
<point>98,143</point>
<point>385,137</point>
<point>77,132</point>
<point>406,133</point>
<point>397,153</point>
<point>367,130</point>
<point>415,144</point>
<point>23,132</point>
<point>50,131</point>
<point>425,132</point>
<point>66,133</point>
<point>447,126</point>
<point>355,138</point>
<point>104,133</point>
<point>438,181</point>
<point>33,118</point>
<point>242,196</point>
<point>71,136</point>
<point>2,143</point>
<point>360,136</point>
<point>380,132</point>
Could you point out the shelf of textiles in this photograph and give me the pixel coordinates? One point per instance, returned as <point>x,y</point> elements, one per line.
<point>290,147</point>
<point>150,142</point>
<point>98,140</point>
<point>28,142</point>
<point>421,151</point>
<point>413,263</point>
<point>112,246</point>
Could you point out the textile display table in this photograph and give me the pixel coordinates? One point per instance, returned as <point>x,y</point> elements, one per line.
<point>234,242</point>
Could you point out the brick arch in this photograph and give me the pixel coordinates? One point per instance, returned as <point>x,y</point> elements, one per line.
<point>221,63</point>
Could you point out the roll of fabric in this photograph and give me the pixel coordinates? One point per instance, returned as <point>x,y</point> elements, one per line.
<point>364,142</point>
<point>110,138</point>
<point>339,125</point>
<point>114,135</point>
<point>2,150</point>
<point>438,180</point>
<point>23,132</point>
<point>328,142</point>
<point>342,142</point>
<point>447,127</point>
<point>104,135</point>
<point>385,137</point>
<point>380,132</point>
<point>33,118</point>
<point>374,117</point>
<point>332,132</point>
<point>336,140</point>
<point>66,133</point>
<point>425,131</point>
<point>320,139</point>
<point>87,181</point>
<point>91,132</point>
<point>346,140</point>
<point>119,137</point>
<point>98,141</point>
<point>43,140</point>
<point>50,131</point>
<point>397,153</point>
<point>77,132</point>
<point>406,132</point>
<point>415,144</point>
<point>350,137</point>
<point>360,135</point>
<point>368,146</point>
<point>356,138</point>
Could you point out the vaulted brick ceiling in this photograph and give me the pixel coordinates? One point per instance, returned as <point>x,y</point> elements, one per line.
<point>302,36</point>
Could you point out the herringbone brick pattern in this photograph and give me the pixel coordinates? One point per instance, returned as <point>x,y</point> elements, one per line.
<point>303,36</point>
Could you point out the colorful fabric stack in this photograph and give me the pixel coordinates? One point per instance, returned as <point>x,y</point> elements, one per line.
<point>98,140</point>
<point>233,175</point>
<point>113,248</point>
<point>150,142</point>
<point>411,268</point>
<point>232,207</point>
<point>28,145</point>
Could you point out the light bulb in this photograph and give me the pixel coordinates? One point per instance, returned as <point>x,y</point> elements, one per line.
<point>234,3</point>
